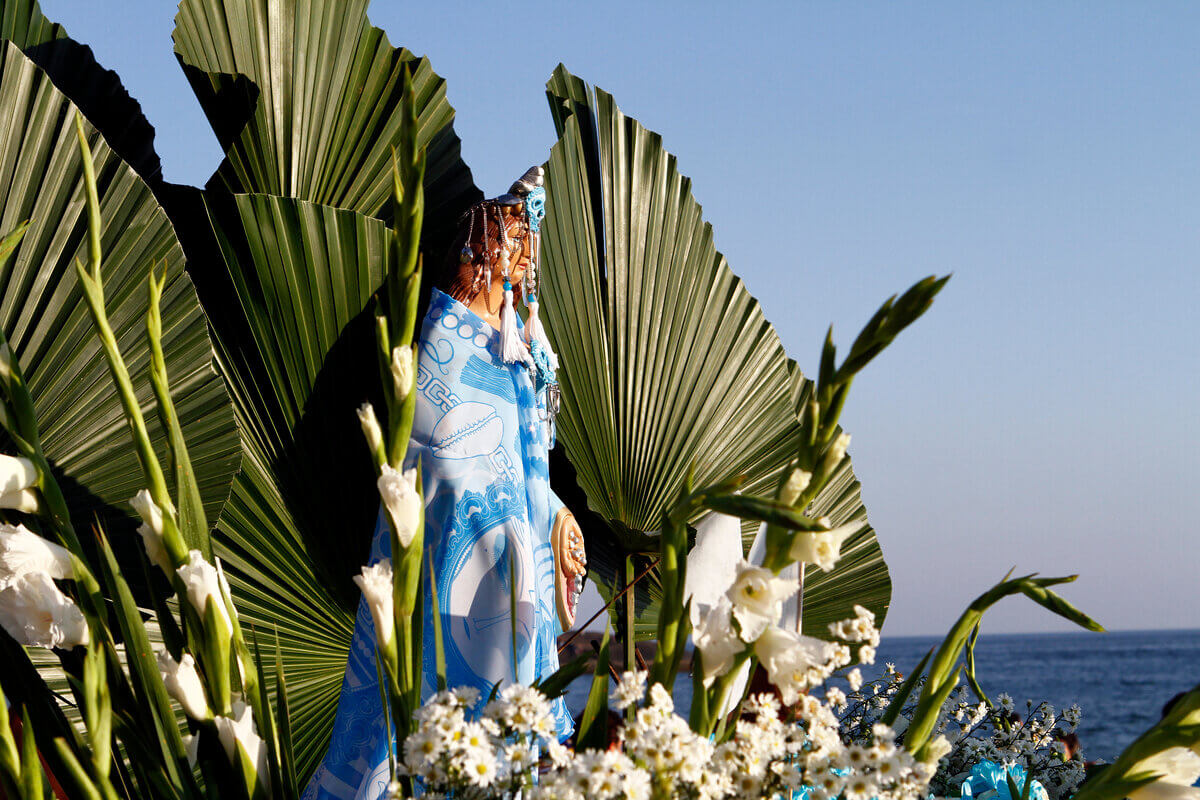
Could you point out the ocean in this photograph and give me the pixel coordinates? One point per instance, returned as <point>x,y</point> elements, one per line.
<point>1120,680</point>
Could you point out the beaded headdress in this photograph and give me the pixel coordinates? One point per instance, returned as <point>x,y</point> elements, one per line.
<point>528,192</point>
<point>533,348</point>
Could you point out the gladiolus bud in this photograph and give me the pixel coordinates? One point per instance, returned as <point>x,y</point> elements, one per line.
<point>23,500</point>
<point>238,734</point>
<point>399,493</point>
<point>16,473</point>
<point>184,685</point>
<point>370,427</point>
<point>376,584</point>
<point>402,371</point>
<point>151,530</point>
<point>203,586</point>
<point>797,482</point>
<point>823,548</point>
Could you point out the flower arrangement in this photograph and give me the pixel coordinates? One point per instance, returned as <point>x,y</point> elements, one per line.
<point>197,716</point>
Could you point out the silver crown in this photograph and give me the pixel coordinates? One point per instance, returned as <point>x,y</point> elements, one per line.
<point>522,186</point>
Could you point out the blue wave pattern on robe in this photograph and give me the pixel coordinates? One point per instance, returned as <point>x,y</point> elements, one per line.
<point>483,447</point>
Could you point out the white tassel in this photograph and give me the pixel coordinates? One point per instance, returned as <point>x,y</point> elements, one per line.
<point>512,349</point>
<point>535,332</point>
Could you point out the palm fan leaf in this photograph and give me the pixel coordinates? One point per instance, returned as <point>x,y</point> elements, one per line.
<point>46,320</point>
<point>667,362</point>
<point>305,99</point>
<point>96,91</point>
<point>297,351</point>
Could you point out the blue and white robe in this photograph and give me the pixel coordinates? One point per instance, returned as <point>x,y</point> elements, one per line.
<point>483,443</point>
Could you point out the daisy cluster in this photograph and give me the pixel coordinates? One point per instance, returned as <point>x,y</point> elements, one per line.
<point>494,755</point>
<point>973,733</point>
<point>772,752</point>
<point>769,751</point>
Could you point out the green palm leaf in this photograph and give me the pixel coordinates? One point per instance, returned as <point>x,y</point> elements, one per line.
<point>96,91</point>
<point>305,98</point>
<point>667,361</point>
<point>299,359</point>
<point>46,320</point>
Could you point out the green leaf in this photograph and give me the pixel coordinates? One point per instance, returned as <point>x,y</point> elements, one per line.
<point>96,91</point>
<point>555,684</point>
<point>295,344</point>
<point>593,723</point>
<point>46,320</point>
<point>313,110</point>
<point>666,360</point>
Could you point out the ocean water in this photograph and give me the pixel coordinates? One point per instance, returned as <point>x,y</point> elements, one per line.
<point>1120,680</point>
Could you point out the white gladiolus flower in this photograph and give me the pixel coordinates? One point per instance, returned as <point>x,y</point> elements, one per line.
<point>399,493</point>
<point>191,744</point>
<point>376,584</point>
<point>938,748</point>
<point>16,473</point>
<point>837,450</point>
<point>37,614</point>
<point>204,585</point>
<point>184,685</point>
<point>790,660</point>
<point>23,500</point>
<point>238,734</point>
<point>1178,768</point>
<point>824,548</point>
<point>22,552</point>
<point>156,551</point>
<point>717,641</point>
<point>402,371</point>
<point>797,482</point>
<point>370,427</point>
<point>148,510</point>
<point>757,597</point>
<point>151,530</point>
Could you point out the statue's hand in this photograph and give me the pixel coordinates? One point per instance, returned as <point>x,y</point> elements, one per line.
<point>570,566</point>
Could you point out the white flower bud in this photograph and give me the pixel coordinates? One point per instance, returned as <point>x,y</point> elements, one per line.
<point>376,584</point>
<point>797,482</point>
<point>402,371</point>
<point>238,734</point>
<point>23,552</point>
<point>399,493</point>
<point>823,548</point>
<point>16,473</point>
<point>939,747</point>
<point>150,513</point>
<point>184,685</point>
<point>37,614</point>
<point>717,641</point>
<point>203,585</point>
<point>837,450</point>
<point>370,427</point>
<point>23,500</point>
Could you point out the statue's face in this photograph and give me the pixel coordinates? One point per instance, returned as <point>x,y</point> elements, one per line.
<point>518,259</point>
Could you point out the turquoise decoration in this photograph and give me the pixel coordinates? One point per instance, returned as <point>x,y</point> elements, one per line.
<point>535,207</point>
<point>541,364</point>
<point>989,781</point>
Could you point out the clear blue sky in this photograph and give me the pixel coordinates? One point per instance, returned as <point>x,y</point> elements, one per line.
<point>1043,413</point>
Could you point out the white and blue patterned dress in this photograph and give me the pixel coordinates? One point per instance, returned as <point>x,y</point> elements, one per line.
<point>483,443</point>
